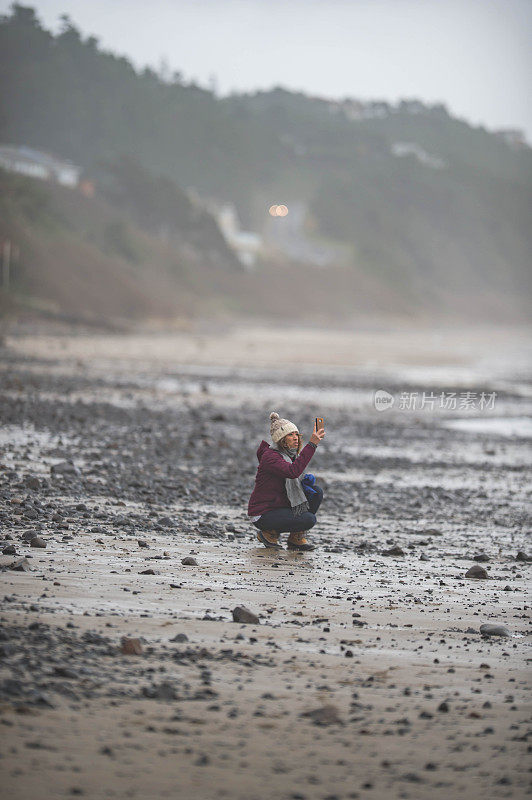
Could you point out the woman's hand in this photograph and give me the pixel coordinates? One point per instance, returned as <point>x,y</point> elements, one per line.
<point>317,436</point>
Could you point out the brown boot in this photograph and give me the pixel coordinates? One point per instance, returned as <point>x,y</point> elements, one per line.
<point>297,541</point>
<point>269,539</point>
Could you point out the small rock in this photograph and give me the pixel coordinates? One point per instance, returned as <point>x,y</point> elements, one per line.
<point>21,565</point>
<point>180,637</point>
<point>37,541</point>
<point>326,715</point>
<point>161,691</point>
<point>243,614</point>
<point>149,571</point>
<point>481,557</point>
<point>131,647</point>
<point>476,572</point>
<point>32,482</point>
<point>189,561</point>
<point>521,556</point>
<point>142,543</point>
<point>394,551</point>
<point>494,630</point>
<point>9,550</point>
<point>64,671</point>
<point>27,536</point>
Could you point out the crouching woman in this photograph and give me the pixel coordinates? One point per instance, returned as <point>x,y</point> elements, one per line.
<point>279,502</point>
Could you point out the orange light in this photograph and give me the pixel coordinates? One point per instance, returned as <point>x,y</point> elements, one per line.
<point>278,211</point>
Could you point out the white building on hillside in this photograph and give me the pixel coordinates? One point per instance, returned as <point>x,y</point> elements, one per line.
<point>35,164</point>
<point>246,244</point>
<point>402,149</point>
<point>513,137</point>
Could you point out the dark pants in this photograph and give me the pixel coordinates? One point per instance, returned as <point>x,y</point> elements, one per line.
<point>282,520</point>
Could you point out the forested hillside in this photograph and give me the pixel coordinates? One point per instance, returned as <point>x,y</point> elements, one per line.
<point>448,216</point>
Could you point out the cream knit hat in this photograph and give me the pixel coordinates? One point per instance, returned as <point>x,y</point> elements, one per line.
<point>279,428</point>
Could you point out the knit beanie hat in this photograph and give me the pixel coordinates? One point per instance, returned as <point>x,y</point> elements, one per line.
<point>279,428</point>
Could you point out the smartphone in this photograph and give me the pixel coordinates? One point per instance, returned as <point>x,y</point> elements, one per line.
<point>319,423</point>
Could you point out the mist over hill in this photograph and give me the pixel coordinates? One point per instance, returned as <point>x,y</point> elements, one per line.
<point>405,207</point>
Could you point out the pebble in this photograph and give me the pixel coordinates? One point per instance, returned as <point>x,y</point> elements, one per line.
<point>21,565</point>
<point>394,551</point>
<point>64,671</point>
<point>188,561</point>
<point>161,691</point>
<point>326,715</point>
<point>521,556</point>
<point>180,637</point>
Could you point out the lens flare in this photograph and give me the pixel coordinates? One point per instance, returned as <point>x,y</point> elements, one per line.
<point>278,211</point>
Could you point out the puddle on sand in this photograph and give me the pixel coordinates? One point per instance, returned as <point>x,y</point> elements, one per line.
<point>458,455</point>
<point>258,392</point>
<point>14,438</point>
<point>23,435</point>
<point>497,426</point>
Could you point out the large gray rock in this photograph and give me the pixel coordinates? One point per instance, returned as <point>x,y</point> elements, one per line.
<point>494,630</point>
<point>64,468</point>
<point>477,572</point>
<point>243,614</point>
<point>32,482</point>
<point>27,536</point>
<point>38,541</point>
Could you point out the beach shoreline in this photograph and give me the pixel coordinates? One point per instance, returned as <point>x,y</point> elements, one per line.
<point>367,675</point>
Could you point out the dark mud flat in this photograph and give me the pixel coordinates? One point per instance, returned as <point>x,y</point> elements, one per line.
<point>367,675</point>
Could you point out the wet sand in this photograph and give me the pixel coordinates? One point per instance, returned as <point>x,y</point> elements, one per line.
<point>367,675</point>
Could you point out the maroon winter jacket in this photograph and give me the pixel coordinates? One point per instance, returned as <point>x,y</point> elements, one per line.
<point>269,491</point>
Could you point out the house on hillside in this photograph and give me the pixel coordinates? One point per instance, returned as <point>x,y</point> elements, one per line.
<point>353,109</point>
<point>412,107</point>
<point>36,164</point>
<point>247,245</point>
<point>402,149</point>
<point>513,137</point>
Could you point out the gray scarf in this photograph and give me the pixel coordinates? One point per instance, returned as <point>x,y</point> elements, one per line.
<point>296,496</point>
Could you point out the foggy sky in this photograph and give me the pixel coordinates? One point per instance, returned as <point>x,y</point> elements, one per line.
<point>473,55</point>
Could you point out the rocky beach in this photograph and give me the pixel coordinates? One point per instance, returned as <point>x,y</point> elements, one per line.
<point>151,648</point>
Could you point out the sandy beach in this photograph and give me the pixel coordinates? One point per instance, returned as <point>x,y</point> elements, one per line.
<point>366,675</point>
